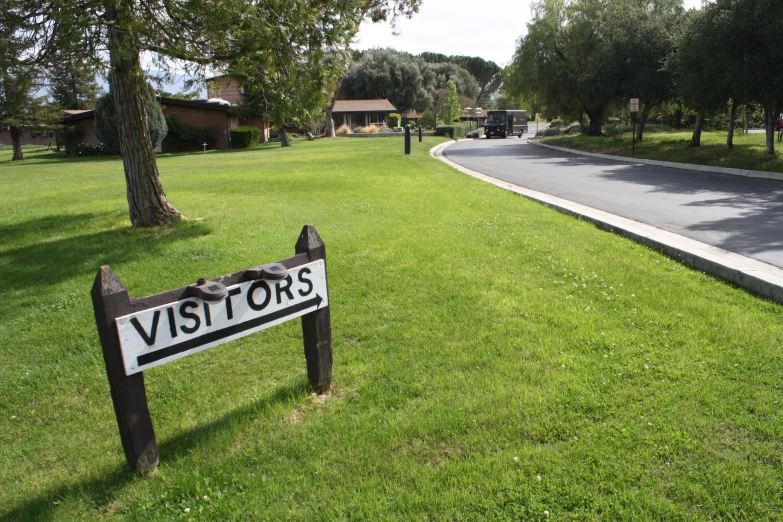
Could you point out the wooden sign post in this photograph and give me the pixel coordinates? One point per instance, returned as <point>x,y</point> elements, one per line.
<point>138,334</point>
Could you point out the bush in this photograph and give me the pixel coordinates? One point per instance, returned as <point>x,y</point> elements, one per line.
<point>556,122</point>
<point>370,129</point>
<point>574,129</point>
<point>342,130</point>
<point>427,120</point>
<point>92,150</point>
<point>457,130</point>
<point>183,136</point>
<point>245,137</point>
<point>552,131</point>
<point>614,131</point>
<point>395,120</point>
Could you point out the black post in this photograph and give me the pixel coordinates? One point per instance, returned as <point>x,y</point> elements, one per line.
<point>407,139</point>
<point>110,300</point>
<point>317,326</point>
<point>633,142</point>
<point>419,133</point>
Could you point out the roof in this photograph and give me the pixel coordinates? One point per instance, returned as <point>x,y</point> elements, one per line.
<point>363,106</point>
<point>73,115</point>
<point>198,104</point>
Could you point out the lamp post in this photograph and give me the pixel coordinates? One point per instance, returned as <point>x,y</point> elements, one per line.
<point>467,110</point>
<point>478,112</point>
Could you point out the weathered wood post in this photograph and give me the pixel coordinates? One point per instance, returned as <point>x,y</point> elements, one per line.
<point>317,326</point>
<point>110,300</point>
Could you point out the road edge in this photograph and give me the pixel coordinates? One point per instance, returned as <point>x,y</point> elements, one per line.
<point>668,164</point>
<point>756,276</point>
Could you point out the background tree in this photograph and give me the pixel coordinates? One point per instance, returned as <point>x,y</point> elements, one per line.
<point>72,84</point>
<point>106,129</point>
<point>393,75</point>
<point>642,38</point>
<point>487,74</point>
<point>463,81</point>
<point>451,110</point>
<point>376,11</point>
<point>208,32</point>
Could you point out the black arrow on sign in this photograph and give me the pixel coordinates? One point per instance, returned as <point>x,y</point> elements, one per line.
<point>217,335</point>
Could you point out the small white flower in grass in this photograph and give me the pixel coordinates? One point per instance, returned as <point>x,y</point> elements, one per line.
<point>538,478</point>
<point>516,459</point>
<point>206,498</point>
<point>546,514</point>
<point>187,510</point>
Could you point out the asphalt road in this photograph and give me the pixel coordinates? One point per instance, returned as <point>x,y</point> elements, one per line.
<point>741,215</point>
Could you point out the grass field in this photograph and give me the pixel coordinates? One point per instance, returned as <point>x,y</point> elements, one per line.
<point>748,152</point>
<point>494,359</point>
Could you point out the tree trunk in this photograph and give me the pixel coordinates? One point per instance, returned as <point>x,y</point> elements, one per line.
<point>16,140</point>
<point>643,121</point>
<point>147,202</point>
<point>732,124</point>
<point>284,140</point>
<point>696,138</point>
<point>595,116</point>
<point>329,124</point>
<point>770,119</point>
<point>677,122</point>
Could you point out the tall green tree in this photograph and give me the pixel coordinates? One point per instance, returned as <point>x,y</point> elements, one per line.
<point>449,72</point>
<point>72,84</point>
<point>487,74</point>
<point>451,110</point>
<point>106,128</point>
<point>393,75</point>
<point>114,33</point>
<point>375,11</point>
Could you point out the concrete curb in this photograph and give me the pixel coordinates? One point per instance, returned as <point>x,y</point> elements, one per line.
<point>669,164</point>
<point>760,278</point>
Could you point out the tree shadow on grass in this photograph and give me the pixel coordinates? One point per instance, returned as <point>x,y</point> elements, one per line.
<point>33,260</point>
<point>102,490</point>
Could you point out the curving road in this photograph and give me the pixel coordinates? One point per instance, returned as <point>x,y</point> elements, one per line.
<point>741,215</point>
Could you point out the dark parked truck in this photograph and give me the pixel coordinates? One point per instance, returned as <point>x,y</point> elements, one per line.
<point>504,123</point>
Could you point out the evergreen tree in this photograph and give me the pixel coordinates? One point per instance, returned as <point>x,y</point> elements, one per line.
<point>73,85</point>
<point>452,111</point>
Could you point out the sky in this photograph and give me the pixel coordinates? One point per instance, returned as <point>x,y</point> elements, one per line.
<point>459,27</point>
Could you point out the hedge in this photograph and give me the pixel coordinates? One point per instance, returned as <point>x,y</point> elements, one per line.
<point>245,137</point>
<point>455,130</point>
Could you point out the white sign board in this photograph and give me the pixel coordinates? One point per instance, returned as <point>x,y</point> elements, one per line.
<point>166,333</point>
<point>634,104</point>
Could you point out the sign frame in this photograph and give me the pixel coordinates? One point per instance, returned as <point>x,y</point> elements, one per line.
<point>634,105</point>
<point>111,301</point>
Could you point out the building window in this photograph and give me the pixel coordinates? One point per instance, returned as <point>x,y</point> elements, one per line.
<point>49,135</point>
<point>36,135</point>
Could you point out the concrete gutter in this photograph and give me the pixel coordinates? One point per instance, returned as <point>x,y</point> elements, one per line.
<point>760,278</point>
<point>669,164</point>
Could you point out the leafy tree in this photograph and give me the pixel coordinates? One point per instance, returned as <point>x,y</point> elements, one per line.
<point>106,120</point>
<point>487,74</point>
<point>448,72</point>
<point>376,11</point>
<point>208,32</point>
<point>451,111</point>
<point>72,84</point>
<point>390,74</point>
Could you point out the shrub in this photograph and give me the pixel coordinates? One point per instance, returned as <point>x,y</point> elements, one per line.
<point>556,122</point>
<point>342,130</point>
<point>574,129</point>
<point>552,131</point>
<point>245,137</point>
<point>395,120</point>
<point>370,129</point>
<point>427,120</point>
<point>84,149</point>
<point>457,130</point>
<point>615,130</point>
<point>183,136</point>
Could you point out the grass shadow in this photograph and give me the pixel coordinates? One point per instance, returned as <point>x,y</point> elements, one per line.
<point>31,260</point>
<point>103,489</point>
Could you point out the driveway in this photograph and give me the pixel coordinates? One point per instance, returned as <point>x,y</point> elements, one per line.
<point>741,215</point>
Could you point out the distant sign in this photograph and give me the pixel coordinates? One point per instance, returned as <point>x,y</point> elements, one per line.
<point>634,105</point>
<point>165,333</point>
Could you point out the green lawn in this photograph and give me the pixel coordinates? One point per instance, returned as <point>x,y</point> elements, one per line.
<point>748,152</point>
<point>494,359</point>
